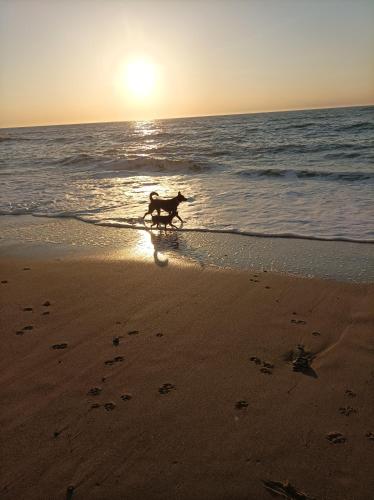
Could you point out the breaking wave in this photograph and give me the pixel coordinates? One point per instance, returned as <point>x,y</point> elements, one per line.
<point>308,174</point>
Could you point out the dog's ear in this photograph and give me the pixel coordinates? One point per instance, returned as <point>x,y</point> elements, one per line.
<point>179,192</point>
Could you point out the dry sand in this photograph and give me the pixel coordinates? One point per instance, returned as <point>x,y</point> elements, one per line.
<point>151,392</point>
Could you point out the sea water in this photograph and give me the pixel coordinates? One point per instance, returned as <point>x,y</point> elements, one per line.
<point>303,174</point>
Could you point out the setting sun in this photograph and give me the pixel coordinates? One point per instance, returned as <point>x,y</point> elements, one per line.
<point>140,78</point>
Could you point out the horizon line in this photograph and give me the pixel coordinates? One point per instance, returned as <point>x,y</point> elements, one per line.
<point>192,116</point>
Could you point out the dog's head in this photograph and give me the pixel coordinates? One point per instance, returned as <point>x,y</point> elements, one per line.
<point>180,197</point>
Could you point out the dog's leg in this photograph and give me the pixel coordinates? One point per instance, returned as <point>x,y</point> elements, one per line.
<point>177,216</point>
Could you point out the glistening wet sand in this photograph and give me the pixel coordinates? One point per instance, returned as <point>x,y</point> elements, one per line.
<point>28,236</point>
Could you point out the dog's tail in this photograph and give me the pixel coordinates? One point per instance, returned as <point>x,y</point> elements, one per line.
<point>153,194</point>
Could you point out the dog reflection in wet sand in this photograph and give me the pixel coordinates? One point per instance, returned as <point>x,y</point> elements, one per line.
<point>163,243</point>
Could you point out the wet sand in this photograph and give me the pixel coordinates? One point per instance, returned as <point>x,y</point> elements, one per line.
<point>122,379</point>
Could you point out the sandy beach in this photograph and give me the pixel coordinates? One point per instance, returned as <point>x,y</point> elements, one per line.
<point>122,379</point>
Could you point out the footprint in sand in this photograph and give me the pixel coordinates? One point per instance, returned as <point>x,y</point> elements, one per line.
<point>159,334</point>
<point>27,309</point>
<point>45,313</point>
<point>116,340</point>
<point>335,437</point>
<point>24,329</point>
<point>59,346</point>
<point>266,371</point>
<point>350,393</point>
<point>370,435</point>
<point>241,404</point>
<point>95,405</point>
<point>255,359</point>
<point>316,334</point>
<point>266,367</point>
<point>267,287</point>
<point>117,359</point>
<point>126,397</point>
<point>4,281</point>
<point>298,322</point>
<point>166,388</point>
<point>109,406</point>
<point>27,269</point>
<point>94,391</point>
<point>347,411</point>
<point>46,303</point>
<point>133,332</point>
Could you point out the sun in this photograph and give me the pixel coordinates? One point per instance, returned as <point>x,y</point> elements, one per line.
<point>140,78</point>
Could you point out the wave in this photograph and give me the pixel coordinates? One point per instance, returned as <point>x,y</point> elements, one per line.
<point>308,174</point>
<point>158,164</point>
<point>137,223</point>
<point>302,148</point>
<point>299,125</point>
<point>133,164</point>
<point>6,138</point>
<point>79,159</point>
<point>357,126</point>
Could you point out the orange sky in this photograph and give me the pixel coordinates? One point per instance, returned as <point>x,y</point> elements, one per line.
<point>65,62</point>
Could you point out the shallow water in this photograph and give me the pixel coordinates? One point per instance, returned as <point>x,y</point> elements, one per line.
<point>302,174</point>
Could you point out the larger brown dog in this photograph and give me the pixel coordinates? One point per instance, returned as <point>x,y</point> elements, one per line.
<point>170,205</point>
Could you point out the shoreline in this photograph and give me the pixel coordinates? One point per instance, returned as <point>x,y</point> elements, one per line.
<point>125,378</point>
<point>25,235</point>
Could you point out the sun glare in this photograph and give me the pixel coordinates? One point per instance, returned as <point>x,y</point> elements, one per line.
<point>140,78</point>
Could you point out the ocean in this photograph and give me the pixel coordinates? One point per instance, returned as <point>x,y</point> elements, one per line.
<point>302,174</point>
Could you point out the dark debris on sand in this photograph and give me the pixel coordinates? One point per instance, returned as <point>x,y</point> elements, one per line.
<point>285,490</point>
<point>302,359</point>
<point>69,492</point>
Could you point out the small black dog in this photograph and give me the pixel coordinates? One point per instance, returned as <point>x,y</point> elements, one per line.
<point>170,205</point>
<point>164,219</point>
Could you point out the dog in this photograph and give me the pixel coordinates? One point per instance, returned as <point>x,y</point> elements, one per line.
<point>164,219</point>
<point>170,205</point>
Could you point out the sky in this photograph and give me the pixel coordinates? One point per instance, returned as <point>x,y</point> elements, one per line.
<point>67,61</point>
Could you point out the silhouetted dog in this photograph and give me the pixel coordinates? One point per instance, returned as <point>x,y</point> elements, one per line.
<point>170,205</point>
<point>164,219</point>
